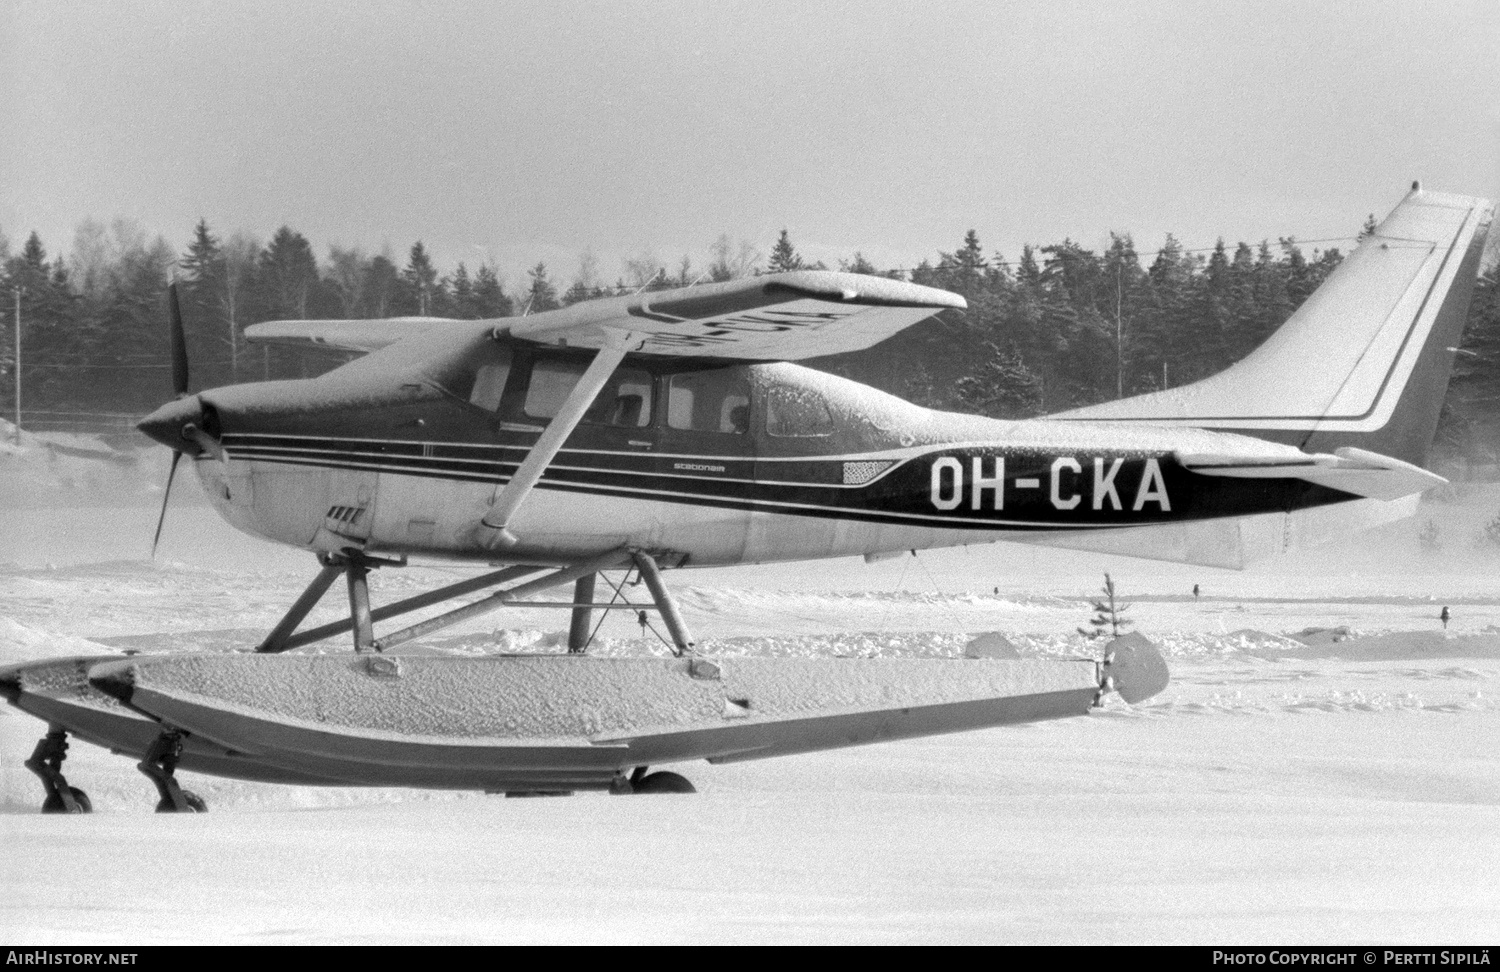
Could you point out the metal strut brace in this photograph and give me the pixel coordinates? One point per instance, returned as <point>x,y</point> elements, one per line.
<point>396,609</point>
<point>508,498</point>
<point>676,626</point>
<point>503,598</point>
<point>280,635</point>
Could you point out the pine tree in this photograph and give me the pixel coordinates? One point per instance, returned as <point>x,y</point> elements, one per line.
<point>213,348</point>
<point>963,270</point>
<point>541,295</point>
<point>784,256</point>
<point>286,277</point>
<point>490,300</point>
<point>460,290</point>
<point>1471,418</point>
<point>419,283</point>
<point>1108,614</point>
<point>1003,387</point>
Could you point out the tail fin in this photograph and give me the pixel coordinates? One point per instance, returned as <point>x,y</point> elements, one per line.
<point>1364,362</point>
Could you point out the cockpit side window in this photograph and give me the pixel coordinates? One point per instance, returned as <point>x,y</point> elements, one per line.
<point>709,401</point>
<point>551,380</point>
<point>793,412</point>
<point>624,401</point>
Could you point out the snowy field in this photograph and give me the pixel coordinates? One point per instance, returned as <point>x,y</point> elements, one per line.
<point>1340,786</point>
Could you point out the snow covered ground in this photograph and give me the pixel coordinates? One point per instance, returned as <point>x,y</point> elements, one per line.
<point>1332,787</point>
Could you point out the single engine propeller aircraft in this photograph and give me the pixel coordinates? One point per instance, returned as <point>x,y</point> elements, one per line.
<point>668,430</point>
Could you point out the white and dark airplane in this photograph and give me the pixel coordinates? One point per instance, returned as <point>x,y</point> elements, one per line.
<point>670,430</point>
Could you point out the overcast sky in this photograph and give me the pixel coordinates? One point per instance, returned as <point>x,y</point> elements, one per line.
<point>532,131</point>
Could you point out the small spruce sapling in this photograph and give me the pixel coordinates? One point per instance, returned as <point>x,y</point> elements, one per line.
<point>1490,535</point>
<point>1109,614</point>
<point>1428,537</point>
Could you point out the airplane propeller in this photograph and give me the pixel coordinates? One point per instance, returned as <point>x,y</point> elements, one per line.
<point>179,343</point>
<point>178,337</point>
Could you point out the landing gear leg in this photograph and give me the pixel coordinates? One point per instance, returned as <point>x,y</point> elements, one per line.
<point>159,766</point>
<point>357,573</point>
<point>46,762</point>
<point>583,614</point>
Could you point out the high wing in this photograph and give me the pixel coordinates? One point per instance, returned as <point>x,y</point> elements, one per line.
<point>346,335</point>
<point>777,317</point>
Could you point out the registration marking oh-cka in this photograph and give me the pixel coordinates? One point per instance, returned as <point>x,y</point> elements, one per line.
<point>1097,483</point>
<point>736,328</point>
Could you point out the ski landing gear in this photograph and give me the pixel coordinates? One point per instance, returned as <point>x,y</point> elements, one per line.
<point>641,781</point>
<point>159,764</point>
<point>46,762</point>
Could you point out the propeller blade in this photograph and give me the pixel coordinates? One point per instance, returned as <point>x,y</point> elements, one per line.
<point>179,343</point>
<point>165,497</point>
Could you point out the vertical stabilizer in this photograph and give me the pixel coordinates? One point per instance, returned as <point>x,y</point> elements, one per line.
<point>1365,360</point>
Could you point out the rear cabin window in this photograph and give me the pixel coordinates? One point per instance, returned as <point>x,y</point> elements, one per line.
<point>625,400</point>
<point>709,401</point>
<point>796,412</point>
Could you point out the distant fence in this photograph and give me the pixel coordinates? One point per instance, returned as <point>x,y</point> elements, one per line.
<point>116,428</point>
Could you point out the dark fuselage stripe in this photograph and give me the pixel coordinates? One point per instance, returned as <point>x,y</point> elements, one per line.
<point>699,499</point>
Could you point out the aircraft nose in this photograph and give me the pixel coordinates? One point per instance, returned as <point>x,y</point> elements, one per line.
<point>166,424</point>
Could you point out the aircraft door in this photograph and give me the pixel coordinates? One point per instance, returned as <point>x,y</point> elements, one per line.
<point>708,450</point>
<point>613,444</point>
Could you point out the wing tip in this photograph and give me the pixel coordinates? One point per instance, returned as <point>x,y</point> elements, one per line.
<point>859,288</point>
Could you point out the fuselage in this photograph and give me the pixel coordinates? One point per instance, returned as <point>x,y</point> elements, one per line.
<point>402,452</point>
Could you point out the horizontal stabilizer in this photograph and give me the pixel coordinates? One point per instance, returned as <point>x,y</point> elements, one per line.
<point>1235,542</point>
<point>776,317</point>
<point>1348,469</point>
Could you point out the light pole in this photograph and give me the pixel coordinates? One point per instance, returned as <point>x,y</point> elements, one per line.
<point>18,365</point>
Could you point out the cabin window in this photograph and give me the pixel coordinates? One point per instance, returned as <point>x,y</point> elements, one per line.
<point>709,401</point>
<point>795,412</point>
<point>478,375</point>
<point>489,382</point>
<point>624,401</point>
<point>550,383</point>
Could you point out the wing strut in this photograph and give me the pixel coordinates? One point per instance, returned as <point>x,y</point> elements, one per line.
<point>503,507</point>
